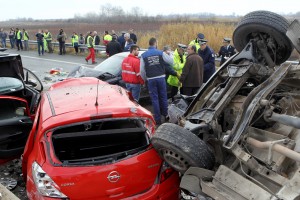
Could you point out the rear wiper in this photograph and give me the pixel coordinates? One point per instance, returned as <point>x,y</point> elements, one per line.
<point>87,161</point>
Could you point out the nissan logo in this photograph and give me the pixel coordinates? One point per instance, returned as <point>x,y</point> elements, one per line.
<point>113,176</point>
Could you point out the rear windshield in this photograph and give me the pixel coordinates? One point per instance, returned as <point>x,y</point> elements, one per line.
<point>103,141</point>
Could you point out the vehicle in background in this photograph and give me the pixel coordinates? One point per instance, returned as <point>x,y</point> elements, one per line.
<point>110,71</point>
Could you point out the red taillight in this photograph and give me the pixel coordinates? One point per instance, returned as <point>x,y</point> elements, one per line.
<point>165,172</point>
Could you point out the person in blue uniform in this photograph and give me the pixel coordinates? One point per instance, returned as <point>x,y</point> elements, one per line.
<point>208,56</point>
<point>226,51</point>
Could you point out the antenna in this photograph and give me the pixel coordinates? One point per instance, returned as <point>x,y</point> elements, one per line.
<point>96,104</point>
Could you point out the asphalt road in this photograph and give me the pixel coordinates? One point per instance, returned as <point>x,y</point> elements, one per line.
<point>41,65</point>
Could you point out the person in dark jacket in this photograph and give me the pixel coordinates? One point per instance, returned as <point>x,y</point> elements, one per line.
<point>226,51</point>
<point>61,38</point>
<point>97,38</point>
<point>113,47</point>
<point>152,63</point>
<point>133,36</point>
<point>121,40</point>
<point>40,41</point>
<point>192,73</point>
<point>208,56</point>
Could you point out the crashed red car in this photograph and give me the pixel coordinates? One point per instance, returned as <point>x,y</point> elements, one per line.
<point>90,140</point>
<point>19,97</point>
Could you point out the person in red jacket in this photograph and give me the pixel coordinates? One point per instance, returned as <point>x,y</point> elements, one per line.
<point>131,74</point>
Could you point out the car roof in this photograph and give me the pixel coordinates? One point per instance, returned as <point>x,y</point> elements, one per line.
<point>75,98</point>
<point>125,54</point>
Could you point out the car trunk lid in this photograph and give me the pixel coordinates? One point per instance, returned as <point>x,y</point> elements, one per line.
<point>114,156</point>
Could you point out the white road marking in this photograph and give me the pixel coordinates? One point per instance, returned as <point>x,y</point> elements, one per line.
<point>58,61</point>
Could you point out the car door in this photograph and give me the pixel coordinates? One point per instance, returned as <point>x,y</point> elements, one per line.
<point>31,80</point>
<point>15,125</point>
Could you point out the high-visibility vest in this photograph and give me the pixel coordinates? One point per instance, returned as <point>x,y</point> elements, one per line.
<point>19,35</point>
<point>177,66</point>
<point>48,36</point>
<point>88,42</point>
<point>193,42</point>
<point>25,35</point>
<point>74,39</point>
<point>107,37</point>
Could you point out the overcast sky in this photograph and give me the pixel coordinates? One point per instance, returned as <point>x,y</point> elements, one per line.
<point>57,9</point>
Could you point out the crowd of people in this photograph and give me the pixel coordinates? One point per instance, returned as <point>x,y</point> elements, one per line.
<point>114,43</point>
<point>185,69</point>
<point>184,72</point>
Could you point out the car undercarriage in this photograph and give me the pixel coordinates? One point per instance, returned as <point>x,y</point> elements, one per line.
<point>240,136</point>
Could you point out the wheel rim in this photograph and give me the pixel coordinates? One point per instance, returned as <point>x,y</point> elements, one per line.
<point>175,160</point>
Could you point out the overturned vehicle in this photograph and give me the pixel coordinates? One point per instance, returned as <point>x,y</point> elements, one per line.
<point>240,137</point>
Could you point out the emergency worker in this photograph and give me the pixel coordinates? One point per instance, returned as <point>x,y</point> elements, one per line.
<point>48,39</point>
<point>106,38</point>
<point>25,38</point>
<point>208,56</point>
<point>226,51</point>
<point>152,63</point>
<point>179,60</point>
<point>131,72</point>
<point>18,37</point>
<point>90,45</point>
<point>75,39</point>
<point>200,36</point>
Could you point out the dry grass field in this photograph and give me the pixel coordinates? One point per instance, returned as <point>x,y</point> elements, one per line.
<point>167,33</point>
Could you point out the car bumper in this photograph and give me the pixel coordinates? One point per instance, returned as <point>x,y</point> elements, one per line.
<point>168,190</point>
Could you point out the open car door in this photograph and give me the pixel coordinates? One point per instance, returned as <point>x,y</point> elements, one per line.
<point>15,125</point>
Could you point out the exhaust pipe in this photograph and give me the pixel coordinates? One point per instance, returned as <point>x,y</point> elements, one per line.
<point>273,146</point>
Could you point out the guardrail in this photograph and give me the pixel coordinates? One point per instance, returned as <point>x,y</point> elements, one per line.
<point>68,45</point>
<point>100,48</point>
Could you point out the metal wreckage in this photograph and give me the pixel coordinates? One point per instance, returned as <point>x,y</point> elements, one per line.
<point>240,136</point>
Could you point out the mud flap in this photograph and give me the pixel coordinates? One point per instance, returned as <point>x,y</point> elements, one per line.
<point>293,34</point>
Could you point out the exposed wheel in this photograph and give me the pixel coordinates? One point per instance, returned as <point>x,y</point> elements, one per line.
<point>269,26</point>
<point>181,149</point>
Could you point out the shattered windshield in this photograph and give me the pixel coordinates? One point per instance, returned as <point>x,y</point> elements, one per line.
<point>111,65</point>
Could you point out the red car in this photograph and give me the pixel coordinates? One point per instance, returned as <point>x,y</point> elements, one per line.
<point>19,97</point>
<point>90,140</point>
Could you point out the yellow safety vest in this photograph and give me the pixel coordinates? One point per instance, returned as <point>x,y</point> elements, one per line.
<point>48,36</point>
<point>107,37</point>
<point>177,66</point>
<point>74,39</point>
<point>25,35</point>
<point>196,44</point>
<point>19,35</point>
<point>88,42</point>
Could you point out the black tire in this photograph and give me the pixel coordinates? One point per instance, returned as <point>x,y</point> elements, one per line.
<point>181,149</point>
<point>267,22</point>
